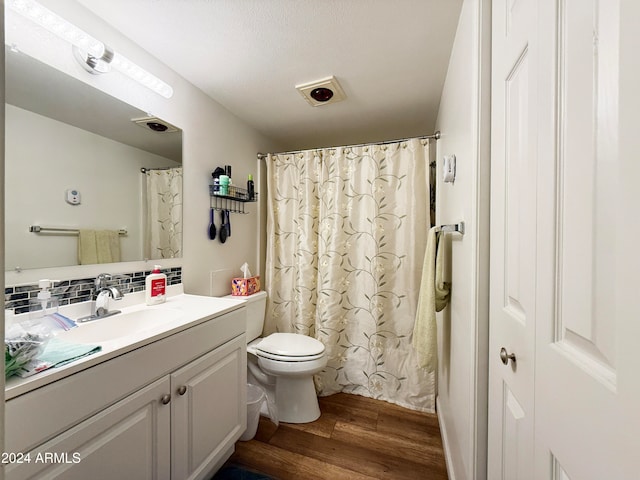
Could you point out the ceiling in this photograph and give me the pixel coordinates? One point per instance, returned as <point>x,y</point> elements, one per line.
<point>390,57</point>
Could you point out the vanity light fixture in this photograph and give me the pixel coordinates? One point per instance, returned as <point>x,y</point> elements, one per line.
<point>57,25</point>
<point>126,66</point>
<point>92,54</point>
<point>111,59</point>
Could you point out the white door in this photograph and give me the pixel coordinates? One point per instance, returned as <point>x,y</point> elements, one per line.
<point>588,336</point>
<point>565,297</point>
<point>513,239</point>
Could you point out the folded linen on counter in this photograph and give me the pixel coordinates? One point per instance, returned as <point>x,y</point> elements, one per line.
<point>57,353</point>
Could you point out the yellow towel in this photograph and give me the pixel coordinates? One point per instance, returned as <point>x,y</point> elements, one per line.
<point>87,253</point>
<point>434,296</point>
<point>98,246</point>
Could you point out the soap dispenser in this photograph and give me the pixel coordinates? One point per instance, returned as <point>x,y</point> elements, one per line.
<point>44,304</point>
<point>156,286</point>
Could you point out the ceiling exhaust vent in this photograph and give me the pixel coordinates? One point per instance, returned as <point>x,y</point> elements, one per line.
<point>155,124</point>
<point>322,92</point>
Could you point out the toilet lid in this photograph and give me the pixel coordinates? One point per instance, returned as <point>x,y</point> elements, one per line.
<point>290,345</point>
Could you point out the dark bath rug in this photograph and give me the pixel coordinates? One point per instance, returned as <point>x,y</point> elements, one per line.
<point>234,472</point>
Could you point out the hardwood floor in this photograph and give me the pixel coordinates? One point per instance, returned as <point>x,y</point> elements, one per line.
<point>355,438</point>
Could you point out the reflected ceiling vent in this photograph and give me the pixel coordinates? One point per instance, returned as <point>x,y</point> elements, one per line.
<point>322,92</point>
<point>155,124</point>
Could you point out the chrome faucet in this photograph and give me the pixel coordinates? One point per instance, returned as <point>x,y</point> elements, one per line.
<point>103,292</point>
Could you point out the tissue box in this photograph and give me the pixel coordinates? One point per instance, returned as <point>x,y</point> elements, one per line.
<point>245,286</point>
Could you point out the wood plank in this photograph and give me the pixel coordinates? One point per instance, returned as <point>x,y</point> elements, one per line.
<point>285,465</point>
<point>355,438</point>
<point>422,452</point>
<point>418,428</point>
<point>323,427</point>
<point>352,457</point>
<point>357,413</point>
<point>266,429</point>
<point>352,401</point>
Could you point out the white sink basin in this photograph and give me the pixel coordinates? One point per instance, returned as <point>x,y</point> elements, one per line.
<point>121,325</point>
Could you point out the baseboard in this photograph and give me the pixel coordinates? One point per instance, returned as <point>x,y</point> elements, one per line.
<point>445,442</point>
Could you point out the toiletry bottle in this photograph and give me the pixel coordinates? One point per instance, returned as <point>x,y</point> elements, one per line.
<point>250,188</point>
<point>224,185</point>
<point>156,286</point>
<point>44,304</point>
<point>215,184</point>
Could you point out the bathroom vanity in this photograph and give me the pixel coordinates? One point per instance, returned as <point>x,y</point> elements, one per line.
<point>166,401</point>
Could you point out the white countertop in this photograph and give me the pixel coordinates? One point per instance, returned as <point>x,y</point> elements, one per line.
<point>193,309</point>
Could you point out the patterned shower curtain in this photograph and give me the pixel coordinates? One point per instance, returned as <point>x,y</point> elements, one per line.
<point>163,235</point>
<point>346,236</point>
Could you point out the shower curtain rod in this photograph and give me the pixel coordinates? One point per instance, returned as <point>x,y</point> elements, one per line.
<point>435,136</point>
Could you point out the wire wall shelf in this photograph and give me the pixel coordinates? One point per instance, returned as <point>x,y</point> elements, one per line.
<point>233,201</point>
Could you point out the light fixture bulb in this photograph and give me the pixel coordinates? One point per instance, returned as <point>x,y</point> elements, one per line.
<point>126,66</point>
<point>57,25</point>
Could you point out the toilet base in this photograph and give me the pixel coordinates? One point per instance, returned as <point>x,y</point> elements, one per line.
<point>296,400</point>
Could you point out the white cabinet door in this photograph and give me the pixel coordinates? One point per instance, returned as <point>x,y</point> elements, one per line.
<point>100,447</point>
<point>208,409</point>
<point>513,240</point>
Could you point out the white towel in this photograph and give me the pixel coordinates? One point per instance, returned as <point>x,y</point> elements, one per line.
<point>98,246</point>
<point>434,296</point>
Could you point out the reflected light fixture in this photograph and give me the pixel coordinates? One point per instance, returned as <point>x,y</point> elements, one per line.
<point>92,54</point>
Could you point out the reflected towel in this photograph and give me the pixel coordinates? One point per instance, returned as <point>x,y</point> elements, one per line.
<point>98,246</point>
<point>434,296</point>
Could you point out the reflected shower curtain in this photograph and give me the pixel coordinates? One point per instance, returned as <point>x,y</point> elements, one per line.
<point>347,228</point>
<point>163,235</point>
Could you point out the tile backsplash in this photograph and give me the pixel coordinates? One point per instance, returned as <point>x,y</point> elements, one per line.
<point>17,297</point>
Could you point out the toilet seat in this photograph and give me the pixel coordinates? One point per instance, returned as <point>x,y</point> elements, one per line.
<point>289,347</point>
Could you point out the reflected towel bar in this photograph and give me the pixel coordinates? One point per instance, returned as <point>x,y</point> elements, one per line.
<point>63,231</point>
<point>454,227</point>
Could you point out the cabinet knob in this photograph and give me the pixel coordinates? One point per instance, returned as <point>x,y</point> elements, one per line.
<point>182,390</point>
<point>165,399</point>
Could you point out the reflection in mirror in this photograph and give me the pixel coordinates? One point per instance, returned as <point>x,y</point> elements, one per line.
<point>75,160</point>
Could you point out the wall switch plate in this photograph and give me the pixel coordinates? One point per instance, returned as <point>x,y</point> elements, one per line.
<point>73,196</point>
<point>449,168</point>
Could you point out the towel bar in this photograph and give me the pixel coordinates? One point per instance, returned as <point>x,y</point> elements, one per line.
<point>453,227</point>
<point>64,231</point>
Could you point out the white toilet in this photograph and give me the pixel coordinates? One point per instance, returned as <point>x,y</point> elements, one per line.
<point>283,364</point>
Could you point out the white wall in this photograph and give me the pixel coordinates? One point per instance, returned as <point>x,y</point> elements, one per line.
<point>212,136</point>
<point>463,119</point>
<point>53,157</point>
<point>2,136</point>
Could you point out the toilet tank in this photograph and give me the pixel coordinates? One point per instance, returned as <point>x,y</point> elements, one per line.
<point>256,307</point>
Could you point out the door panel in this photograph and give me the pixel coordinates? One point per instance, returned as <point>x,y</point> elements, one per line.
<point>587,138</point>
<point>513,244</point>
<point>586,340</point>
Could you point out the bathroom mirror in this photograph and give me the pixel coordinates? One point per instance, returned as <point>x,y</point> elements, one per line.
<point>73,161</point>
